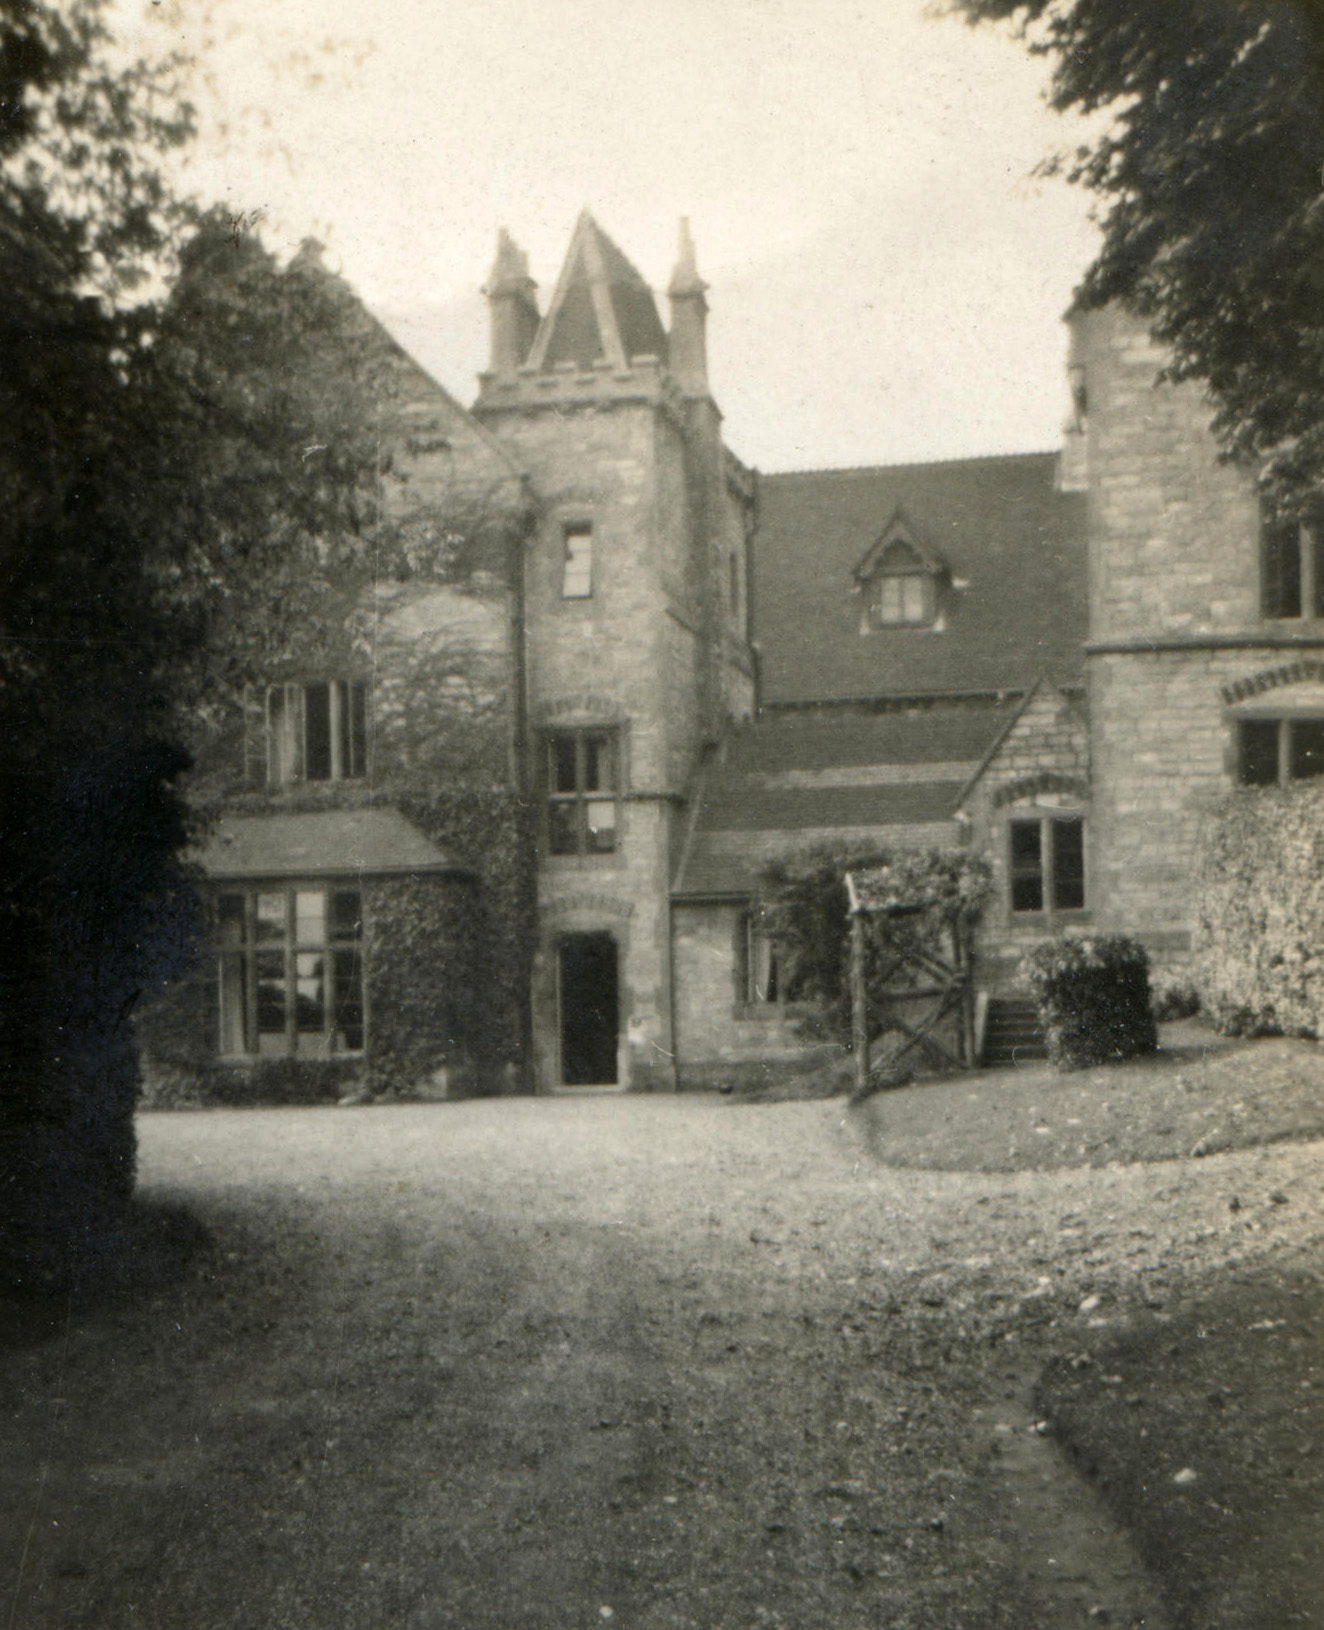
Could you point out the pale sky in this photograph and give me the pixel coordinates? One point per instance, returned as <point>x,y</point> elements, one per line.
<point>886,278</point>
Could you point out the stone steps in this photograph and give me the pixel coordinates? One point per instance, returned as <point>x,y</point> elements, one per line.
<point>1012,1034</point>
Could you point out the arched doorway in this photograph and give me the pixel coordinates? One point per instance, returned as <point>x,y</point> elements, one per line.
<point>589,1009</point>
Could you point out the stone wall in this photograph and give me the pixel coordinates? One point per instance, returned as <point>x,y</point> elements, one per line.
<point>1041,767</point>
<point>722,1039</point>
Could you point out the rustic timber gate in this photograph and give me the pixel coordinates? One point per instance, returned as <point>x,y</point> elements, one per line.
<point>925,994</point>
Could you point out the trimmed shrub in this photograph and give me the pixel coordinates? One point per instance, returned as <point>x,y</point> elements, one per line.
<point>1093,996</point>
<point>1259,940</point>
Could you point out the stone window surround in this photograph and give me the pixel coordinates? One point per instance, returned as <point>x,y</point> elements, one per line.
<point>569,807</point>
<point>1280,738</point>
<point>1047,816</point>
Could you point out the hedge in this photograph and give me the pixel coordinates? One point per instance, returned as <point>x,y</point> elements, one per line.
<point>1259,895</point>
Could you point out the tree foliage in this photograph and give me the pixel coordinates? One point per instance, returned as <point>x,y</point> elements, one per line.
<point>1259,896</point>
<point>1209,177</point>
<point>169,473</point>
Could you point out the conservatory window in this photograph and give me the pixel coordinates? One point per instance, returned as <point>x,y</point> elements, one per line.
<point>291,971</point>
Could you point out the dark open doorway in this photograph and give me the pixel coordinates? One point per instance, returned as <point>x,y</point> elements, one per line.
<point>589,1010</point>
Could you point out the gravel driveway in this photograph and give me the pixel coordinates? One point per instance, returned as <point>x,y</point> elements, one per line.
<point>650,1362</point>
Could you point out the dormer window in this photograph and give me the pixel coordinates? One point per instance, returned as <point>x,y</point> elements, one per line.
<point>900,581</point>
<point>902,591</point>
<point>904,599</point>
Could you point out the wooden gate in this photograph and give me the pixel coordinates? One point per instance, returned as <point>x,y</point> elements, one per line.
<point>927,992</point>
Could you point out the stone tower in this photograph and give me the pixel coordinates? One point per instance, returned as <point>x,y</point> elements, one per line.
<point>636,608</point>
<point>1206,632</point>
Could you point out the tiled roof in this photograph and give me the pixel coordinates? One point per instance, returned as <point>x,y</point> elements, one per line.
<point>890,778</point>
<point>367,842</point>
<point>1014,547</point>
<point>601,309</point>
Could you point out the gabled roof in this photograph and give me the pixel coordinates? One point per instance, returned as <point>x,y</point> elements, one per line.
<point>899,529</point>
<point>890,778</point>
<point>1013,544</point>
<point>322,843</point>
<point>602,309</point>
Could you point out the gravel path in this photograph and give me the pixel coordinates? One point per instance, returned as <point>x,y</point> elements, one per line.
<point>651,1362</point>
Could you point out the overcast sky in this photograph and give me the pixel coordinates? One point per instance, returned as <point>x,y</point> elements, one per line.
<point>887,279</point>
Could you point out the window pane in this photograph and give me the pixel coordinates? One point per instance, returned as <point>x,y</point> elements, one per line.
<point>234,1005</point>
<point>270,917</point>
<point>1307,748</point>
<point>354,723</point>
<point>317,731</point>
<point>563,828</point>
<point>310,917</point>
<point>577,582</point>
<point>561,763</point>
<point>1069,865</point>
<point>230,917</point>
<point>1027,877</point>
<point>1280,546</point>
<point>270,997</point>
<point>889,600</point>
<point>284,734</point>
<point>912,599</point>
<point>309,997</point>
<point>1258,750</point>
<point>347,1004</point>
<point>599,764</point>
<point>600,814</point>
<point>346,915</point>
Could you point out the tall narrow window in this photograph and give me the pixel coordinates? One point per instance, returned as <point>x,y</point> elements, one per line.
<point>765,979</point>
<point>583,791</point>
<point>1047,864</point>
<point>1291,569</point>
<point>291,972</point>
<point>577,573</point>
<point>316,731</point>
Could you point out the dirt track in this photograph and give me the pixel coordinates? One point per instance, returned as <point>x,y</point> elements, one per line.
<point>647,1362</point>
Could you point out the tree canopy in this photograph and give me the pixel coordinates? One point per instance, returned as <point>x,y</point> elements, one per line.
<point>167,469</point>
<point>1209,177</point>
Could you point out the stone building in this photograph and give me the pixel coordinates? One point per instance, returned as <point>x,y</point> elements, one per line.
<point>671,669</point>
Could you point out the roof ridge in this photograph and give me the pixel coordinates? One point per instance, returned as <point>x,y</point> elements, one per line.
<point>909,464</point>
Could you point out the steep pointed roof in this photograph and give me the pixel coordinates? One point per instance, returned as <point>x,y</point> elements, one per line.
<point>602,309</point>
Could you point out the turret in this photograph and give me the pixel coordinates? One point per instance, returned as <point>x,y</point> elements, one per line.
<point>689,317</point>
<point>513,305</point>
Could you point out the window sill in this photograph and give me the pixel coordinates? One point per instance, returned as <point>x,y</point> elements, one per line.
<point>248,1060</point>
<point>1051,920</point>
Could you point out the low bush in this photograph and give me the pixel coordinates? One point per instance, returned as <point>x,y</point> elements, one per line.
<point>1175,1001</point>
<point>1093,997</point>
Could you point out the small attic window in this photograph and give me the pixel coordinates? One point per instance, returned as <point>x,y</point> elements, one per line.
<point>902,591</point>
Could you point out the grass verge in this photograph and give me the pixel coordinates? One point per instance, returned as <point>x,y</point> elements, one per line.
<point>1206,1435</point>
